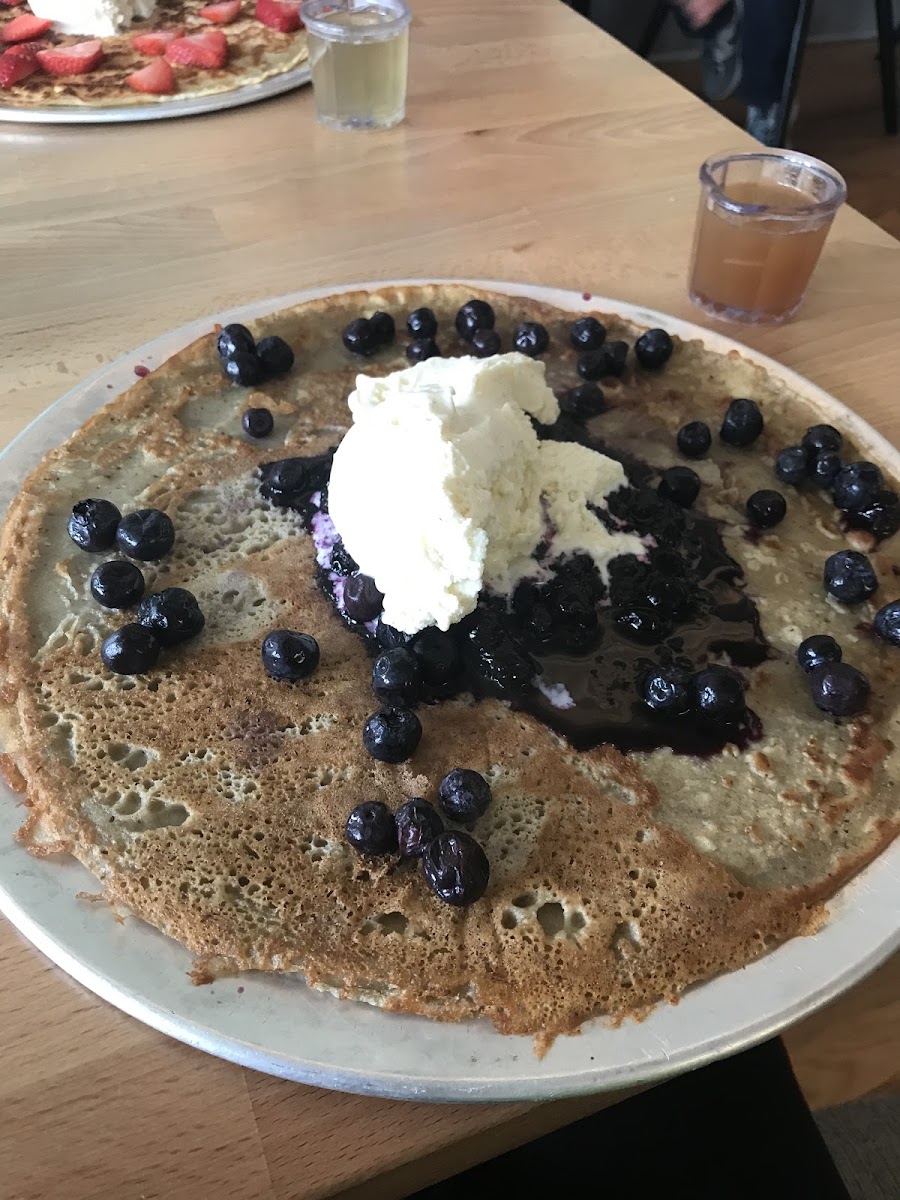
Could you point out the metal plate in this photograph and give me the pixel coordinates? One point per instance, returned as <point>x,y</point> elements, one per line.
<point>190,106</point>
<point>280,1026</point>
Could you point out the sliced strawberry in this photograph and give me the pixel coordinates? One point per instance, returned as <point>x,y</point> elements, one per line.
<point>157,79</point>
<point>10,3</point>
<point>14,67</point>
<point>155,42</point>
<point>278,14</point>
<point>71,60</point>
<point>23,28</point>
<point>26,50</point>
<point>221,14</point>
<point>209,48</point>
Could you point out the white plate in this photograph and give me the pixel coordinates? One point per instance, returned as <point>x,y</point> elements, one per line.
<point>280,1026</point>
<point>159,110</point>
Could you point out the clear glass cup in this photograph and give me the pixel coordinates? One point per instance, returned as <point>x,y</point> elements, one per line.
<point>358,53</point>
<point>763,219</point>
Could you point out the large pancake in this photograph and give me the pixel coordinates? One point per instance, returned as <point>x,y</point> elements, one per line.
<point>210,800</point>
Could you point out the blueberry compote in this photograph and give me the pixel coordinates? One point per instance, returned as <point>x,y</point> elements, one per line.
<point>566,647</point>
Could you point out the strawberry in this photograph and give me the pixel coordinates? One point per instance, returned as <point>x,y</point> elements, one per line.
<point>157,79</point>
<point>209,48</point>
<point>223,13</point>
<point>14,67</point>
<point>27,50</point>
<point>10,3</point>
<point>71,60</point>
<point>278,14</point>
<point>23,28</point>
<point>155,42</point>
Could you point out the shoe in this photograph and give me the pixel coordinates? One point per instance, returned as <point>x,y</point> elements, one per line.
<point>762,123</point>
<point>720,57</point>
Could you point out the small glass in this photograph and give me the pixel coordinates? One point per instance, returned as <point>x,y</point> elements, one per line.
<point>358,53</point>
<point>763,219</point>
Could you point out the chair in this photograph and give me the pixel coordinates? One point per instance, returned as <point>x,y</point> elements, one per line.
<point>887,58</point>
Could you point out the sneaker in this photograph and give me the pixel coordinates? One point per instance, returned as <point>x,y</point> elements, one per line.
<point>721,56</point>
<point>762,123</point>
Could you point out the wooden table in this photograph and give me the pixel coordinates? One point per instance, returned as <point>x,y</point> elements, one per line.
<point>536,149</point>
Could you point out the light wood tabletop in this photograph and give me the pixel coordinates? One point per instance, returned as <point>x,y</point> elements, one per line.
<point>536,149</point>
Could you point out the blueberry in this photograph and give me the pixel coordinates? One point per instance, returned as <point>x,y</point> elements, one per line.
<point>342,561</point>
<point>582,402</point>
<point>644,625</point>
<point>856,484</point>
<point>485,343</point>
<point>464,795</point>
<point>172,615</point>
<point>587,334</point>
<point>388,637</point>
<point>359,337</point>
<point>397,677</point>
<point>819,438</point>
<point>93,524</point>
<point>824,468</point>
<point>362,599</point>
<point>694,439</point>
<point>674,597</point>
<point>422,349</point>
<point>421,323</point>
<point>881,517</point>
<point>849,577</point>
<point>117,584</point>
<point>817,650</point>
<point>382,327</point>
<point>653,349</point>
<point>418,823</point>
<point>839,689</point>
<point>531,338</point>
<point>496,660</point>
<point>609,360</point>
<point>437,655</point>
<point>681,485</point>
<point>668,691</point>
<point>720,694</point>
<point>243,368</point>
<point>392,734</point>
<point>887,622</point>
<point>742,423</point>
<point>258,422</point>
<point>276,356</point>
<point>791,464</point>
<point>474,315</point>
<point>289,656</point>
<point>456,868</point>
<point>289,482</point>
<point>147,534</point>
<point>131,650</point>
<point>371,829</point>
<point>766,508</point>
<point>234,338</point>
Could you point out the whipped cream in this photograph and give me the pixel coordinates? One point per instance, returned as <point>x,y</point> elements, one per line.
<point>441,486</point>
<point>99,18</point>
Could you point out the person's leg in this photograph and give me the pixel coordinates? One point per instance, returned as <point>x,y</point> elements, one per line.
<point>768,29</point>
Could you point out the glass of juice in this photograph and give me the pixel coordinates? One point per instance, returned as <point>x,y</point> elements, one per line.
<point>763,218</point>
<point>358,52</point>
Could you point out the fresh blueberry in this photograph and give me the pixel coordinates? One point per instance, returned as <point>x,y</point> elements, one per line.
<point>289,482</point>
<point>668,691</point>
<point>474,315</point>
<point>382,327</point>
<point>93,524</point>
<point>766,508</point>
<point>464,795</point>
<point>342,561</point>
<point>397,678</point>
<point>418,823</point>
<point>371,829</point>
<point>485,343</point>
<point>817,650</point>
<point>235,338</point>
<point>887,622</point>
<point>742,423</point>
<point>849,577</point>
<point>359,337</point>
<point>839,689</point>
<point>587,334</point>
<point>582,402</point>
<point>791,464</point>
<point>422,349</point>
<point>881,517</point>
<point>172,615</point>
<point>421,323</point>
<point>694,439</point>
<point>289,656</point>
<point>257,422</point>
<point>681,485</point>
<point>609,360</point>
<point>392,734</point>
<point>856,484</point>
<point>388,637</point>
<point>131,650</point>
<point>720,694</point>
<point>653,349</point>
<point>456,868</point>
<point>819,438</point>
<point>243,368</point>
<point>362,599</point>
<point>276,356</point>
<point>824,468</point>
<point>147,534</point>
<point>117,584</point>
<point>437,655</point>
<point>531,338</point>
<point>645,625</point>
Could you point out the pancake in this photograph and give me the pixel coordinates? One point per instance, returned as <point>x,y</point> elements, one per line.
<point>210,800</point>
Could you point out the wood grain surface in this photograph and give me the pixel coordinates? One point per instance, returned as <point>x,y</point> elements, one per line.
<point>536,149</point>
